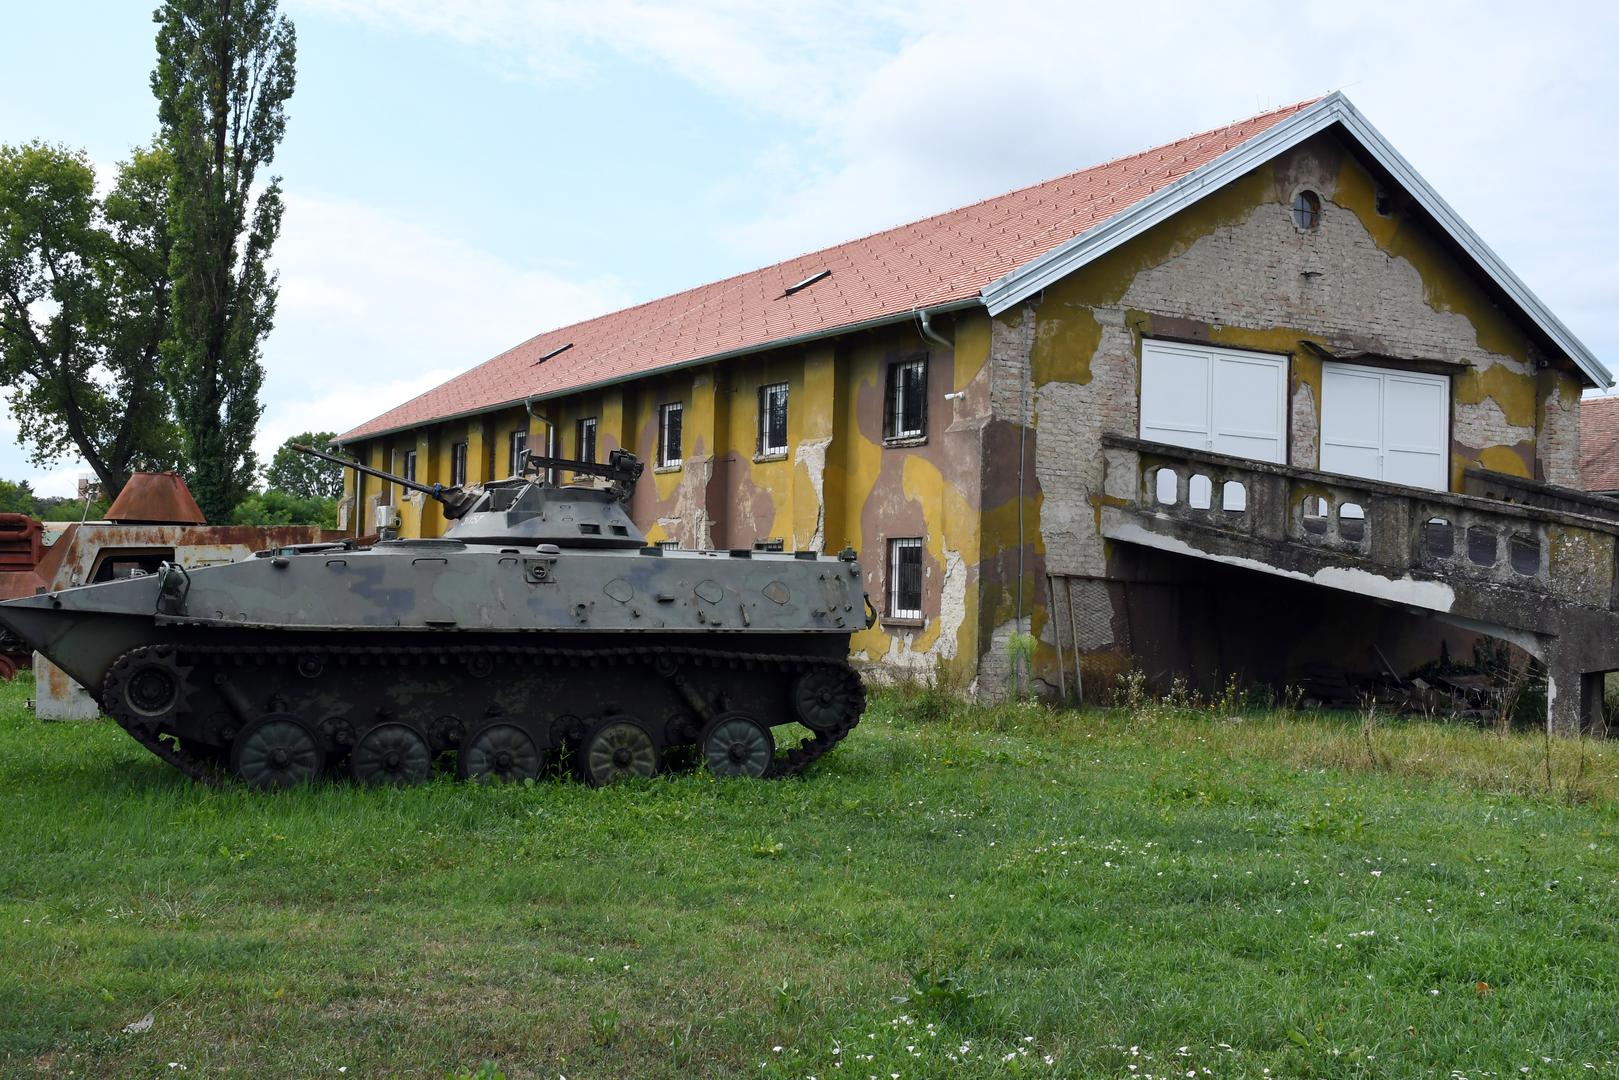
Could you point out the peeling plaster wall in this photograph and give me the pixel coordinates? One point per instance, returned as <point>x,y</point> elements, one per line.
<point>1042,383</point>
<point>1235,271</point>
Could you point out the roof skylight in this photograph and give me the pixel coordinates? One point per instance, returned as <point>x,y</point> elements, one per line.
<point>807,282</point>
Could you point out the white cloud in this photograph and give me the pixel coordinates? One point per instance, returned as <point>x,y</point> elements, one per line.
<point>376,308</point>
<point>902,111</point>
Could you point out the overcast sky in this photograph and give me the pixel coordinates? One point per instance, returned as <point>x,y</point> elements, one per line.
<point>463,174</point>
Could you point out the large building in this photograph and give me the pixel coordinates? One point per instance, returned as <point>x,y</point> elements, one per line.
<point>1213,409</point>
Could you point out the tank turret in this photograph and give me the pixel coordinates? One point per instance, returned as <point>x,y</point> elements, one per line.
<point>541,628</point>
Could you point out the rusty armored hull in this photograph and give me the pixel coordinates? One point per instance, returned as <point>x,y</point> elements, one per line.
<point>543,623</point>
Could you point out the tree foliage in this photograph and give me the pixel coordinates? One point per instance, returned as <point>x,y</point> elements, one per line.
<point>280,508</point>
<point>84,308</point>
<point>223,77</point>
<point>302,475</point>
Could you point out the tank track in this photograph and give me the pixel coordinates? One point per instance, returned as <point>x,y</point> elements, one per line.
<point>668,662</point>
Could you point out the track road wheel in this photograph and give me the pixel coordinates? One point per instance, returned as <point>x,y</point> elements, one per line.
<point>737,745</point>
<point>499,752</point>
<point>391,753</point>
<point>276,751</point>
<point>617,749</point>
<point>824,697</point>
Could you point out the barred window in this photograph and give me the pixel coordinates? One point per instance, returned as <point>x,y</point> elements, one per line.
<point>458,463</point>
<point>669,434</point>
<point>905,399</point>
<point>518,445</point>
<point>905,578</point>
<point>584,439</point>
<point>669,545</point>
<point>773,419</point>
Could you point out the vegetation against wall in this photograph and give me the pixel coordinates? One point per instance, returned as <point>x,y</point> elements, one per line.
<point>223,77</point>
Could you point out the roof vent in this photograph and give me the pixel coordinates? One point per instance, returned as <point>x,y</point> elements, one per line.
<point>807,282</point>
<point>558,351</point>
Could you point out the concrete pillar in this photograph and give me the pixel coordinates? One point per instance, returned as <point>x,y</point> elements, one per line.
<point>610,433</point>
<point>701,424</point>
<point>478,450</point>
<point>1389,520</point>
<point>1573,697</point>
<point>815,413</point>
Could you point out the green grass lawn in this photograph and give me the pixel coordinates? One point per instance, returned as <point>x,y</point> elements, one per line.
<point>990,893</point>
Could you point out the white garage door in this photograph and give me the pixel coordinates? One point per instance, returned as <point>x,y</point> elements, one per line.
<point>1225,400</point>
<point>1385,425</point>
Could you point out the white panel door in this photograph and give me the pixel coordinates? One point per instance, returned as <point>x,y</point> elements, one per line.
<point>1385,425</point>
<point>1206,398</point>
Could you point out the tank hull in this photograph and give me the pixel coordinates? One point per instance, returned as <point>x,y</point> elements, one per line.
<point>334,656</point>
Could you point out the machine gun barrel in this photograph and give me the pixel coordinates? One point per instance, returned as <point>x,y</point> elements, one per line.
<point>622,468</point>
<point>457,500</point>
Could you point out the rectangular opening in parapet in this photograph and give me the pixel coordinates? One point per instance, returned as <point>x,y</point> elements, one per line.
<point>1351,522</point>
<point>1314,509</point>
<point>1233,497</point>
<point>1439,538</point>
<point>1523,551</point>
<point>1166,486</point>
<point>590,528</point>
<point>1481,545</point>
<point>1199,492</point>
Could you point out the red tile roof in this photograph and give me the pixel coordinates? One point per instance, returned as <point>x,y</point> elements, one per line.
<point>938,260</point>
<point>1599,444</point>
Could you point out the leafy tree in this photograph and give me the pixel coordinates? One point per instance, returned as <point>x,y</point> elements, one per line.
<point>224,74</point>
<point>302,475</point>
<point>18,498</point>
<point>279,508</point>
<point>84,307</point>
<point>68,508</point>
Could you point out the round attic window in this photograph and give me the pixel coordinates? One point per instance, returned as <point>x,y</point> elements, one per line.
<point>1307,210</point>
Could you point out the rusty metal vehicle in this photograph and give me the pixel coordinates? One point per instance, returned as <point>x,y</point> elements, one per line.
<point>542,621</point>
<point>20,550</point>
<point>153,520</point>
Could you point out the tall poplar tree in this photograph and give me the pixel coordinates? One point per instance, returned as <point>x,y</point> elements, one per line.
<point>224,74</point>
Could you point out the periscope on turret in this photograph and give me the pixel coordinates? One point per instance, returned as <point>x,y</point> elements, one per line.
<point>541,629</point>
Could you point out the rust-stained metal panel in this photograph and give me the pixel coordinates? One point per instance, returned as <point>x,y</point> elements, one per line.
<point>156,498</point>
<point>73,559</point>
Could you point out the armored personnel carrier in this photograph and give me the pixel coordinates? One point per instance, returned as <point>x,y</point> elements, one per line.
<point>541,622</point>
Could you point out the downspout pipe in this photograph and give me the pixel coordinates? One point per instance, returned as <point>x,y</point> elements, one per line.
<point>927,329</point>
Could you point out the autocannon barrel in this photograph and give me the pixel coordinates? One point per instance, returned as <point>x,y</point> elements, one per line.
<point>457,500</point>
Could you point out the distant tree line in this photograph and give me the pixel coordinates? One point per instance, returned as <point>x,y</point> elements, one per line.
<point>131,323</point>
<point>300,490</point>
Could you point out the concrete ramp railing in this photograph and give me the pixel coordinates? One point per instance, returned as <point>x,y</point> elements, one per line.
<point>1540,576</point>
<point>1388,529</point>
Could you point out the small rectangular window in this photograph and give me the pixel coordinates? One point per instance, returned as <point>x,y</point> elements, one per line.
<point>905,578</point>
<point>584,439</point>
<point>669,545</point>
<point>669,435</point>
<point>905,399</point>
<point>517,443</point>
<point>778,544</point>
<point>772,419</point>
<point>458,463</point>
